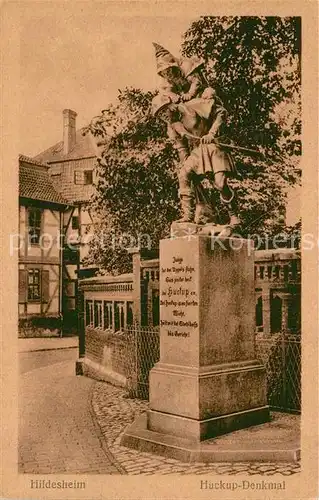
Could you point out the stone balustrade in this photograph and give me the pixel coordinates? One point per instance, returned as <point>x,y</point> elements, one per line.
<point>135,296</point>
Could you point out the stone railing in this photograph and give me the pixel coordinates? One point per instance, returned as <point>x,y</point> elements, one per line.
<point>108,302</point>
<point>119,301</point>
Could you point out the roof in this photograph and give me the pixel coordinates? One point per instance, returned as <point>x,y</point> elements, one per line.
<point>83,148</point>
<point>35,182</point>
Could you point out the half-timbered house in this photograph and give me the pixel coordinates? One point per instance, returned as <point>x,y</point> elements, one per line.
<point>72,172</point>
<point>41,213</point>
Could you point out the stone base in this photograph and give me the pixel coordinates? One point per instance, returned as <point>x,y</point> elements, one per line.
<point>199,430</point>
<point>207,401</point>
<point>274,441</point>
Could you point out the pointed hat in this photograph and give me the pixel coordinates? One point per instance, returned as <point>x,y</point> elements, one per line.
<point>164,59</point>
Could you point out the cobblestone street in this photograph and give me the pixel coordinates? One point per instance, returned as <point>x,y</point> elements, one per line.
<point>115,412</point>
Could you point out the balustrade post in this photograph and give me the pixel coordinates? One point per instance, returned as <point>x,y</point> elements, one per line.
<point>136,260</point>
<point>266,308</point>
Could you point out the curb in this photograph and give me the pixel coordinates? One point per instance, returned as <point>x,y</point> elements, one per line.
<point>100,435</point>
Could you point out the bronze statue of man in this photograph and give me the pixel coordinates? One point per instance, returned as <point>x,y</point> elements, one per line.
<point>195,125</point>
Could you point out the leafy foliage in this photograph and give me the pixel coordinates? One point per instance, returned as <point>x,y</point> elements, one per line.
<point>136,198</point>
<point>254,65</point>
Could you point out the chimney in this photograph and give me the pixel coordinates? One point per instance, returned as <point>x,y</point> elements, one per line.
<point>69,130</point>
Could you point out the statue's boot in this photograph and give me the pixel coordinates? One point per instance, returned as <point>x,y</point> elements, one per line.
<point>187,206</point>
<point>232,209</point>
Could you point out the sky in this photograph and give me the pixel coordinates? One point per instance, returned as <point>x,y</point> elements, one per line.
<point>77,56</point>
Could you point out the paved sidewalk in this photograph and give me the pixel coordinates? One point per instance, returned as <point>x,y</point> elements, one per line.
<point>45,344</point>
<point>115,412</point>
<point>57,427</point>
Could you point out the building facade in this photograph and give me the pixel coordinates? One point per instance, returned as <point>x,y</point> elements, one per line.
<point>40,246</point>
<point>72,171</point>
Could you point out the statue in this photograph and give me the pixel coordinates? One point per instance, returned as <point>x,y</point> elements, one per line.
<point>182,78</point>
<point>194,117</point>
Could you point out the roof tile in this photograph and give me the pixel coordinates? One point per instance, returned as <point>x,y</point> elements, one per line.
<point>35,182</point>
<point>82,148</point>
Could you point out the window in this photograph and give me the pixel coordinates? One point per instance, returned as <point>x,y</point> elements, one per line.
<point>34,225</point>
<point>97,314</point>
<point>108,315</point>
<point>89,313</point>
<point>83,177</point>
<point>75,222</point>
<point>34,284</point>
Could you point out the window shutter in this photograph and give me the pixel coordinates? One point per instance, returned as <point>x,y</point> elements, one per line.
<point>22,286</point>
<point>79,177</point>
<point>45,285</point>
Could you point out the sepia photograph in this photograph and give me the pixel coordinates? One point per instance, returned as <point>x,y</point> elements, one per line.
<point>160,248</point>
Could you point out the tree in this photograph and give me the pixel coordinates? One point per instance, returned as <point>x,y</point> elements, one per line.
<point>254,65</point>
<point>136,198</point>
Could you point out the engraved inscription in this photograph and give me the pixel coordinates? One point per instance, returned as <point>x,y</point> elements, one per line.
<point>179,297</point>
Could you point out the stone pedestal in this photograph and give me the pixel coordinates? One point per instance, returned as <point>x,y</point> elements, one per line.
<point>208,381</point>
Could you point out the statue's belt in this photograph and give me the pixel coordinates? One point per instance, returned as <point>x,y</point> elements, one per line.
<point>224,145</point>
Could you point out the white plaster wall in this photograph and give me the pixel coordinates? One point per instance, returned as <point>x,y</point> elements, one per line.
<point>51,228</point>
<point>33,308</point>
<point>86,233</point>
<point>22,230</point>
<point>54,291</point>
